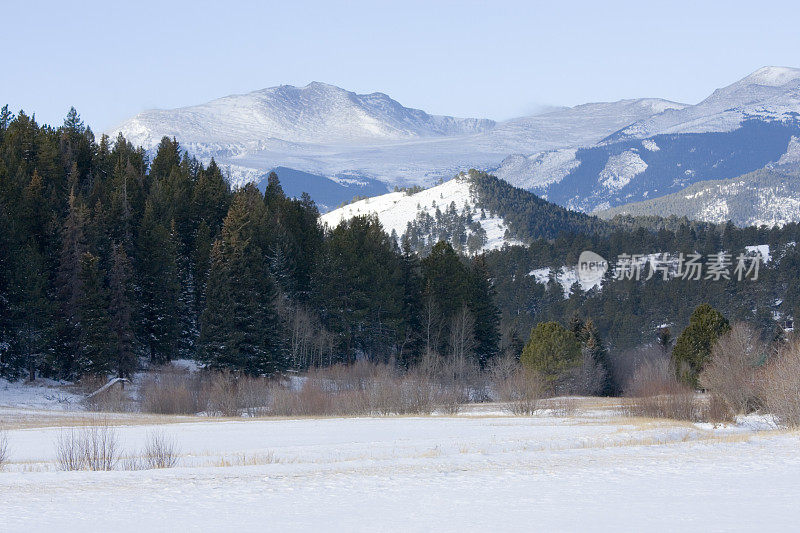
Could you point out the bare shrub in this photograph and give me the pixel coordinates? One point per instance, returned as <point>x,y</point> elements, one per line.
<point>171,393</point>
<point>655,392</point>
<point>112,400</point>
<point>220,391</point>
<point>3,448</point>
<point>625,363</point>
<point>361,389</point>
<point>253,395</point>
<point>88,448</point>
<point>730,374</point>
<point>587,379</point>
<point>780,386</point>
<point>521,387</point>
<point>160,451</point>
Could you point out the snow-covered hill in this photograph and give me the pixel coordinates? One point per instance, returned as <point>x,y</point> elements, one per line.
<point>397,210</point>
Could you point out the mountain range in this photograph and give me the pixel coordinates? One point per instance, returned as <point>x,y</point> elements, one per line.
<point>590,157</point>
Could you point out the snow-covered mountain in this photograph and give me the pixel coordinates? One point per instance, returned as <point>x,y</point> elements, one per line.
<point>328,131</point>
<point>738,129</point>
<point>589,157</point>
<point>769,93</point>
<point>317,113</point>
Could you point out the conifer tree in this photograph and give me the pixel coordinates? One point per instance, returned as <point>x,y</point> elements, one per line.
<point>30,310</point>
<point>552,350</point>
<point>159,286</point>
<point>484,311</point>
<point>95,331</point>
<point>240,328</point>
<point>70,286</point>
<point>120,314</point>
<point>693,347</point>
<point>598,353</point>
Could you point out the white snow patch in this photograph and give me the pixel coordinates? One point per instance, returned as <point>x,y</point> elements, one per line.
<point>538,170</point>
<point>621,169</point>
<point>650,145</point>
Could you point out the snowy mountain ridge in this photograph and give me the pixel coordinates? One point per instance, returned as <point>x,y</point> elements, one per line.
<point>768,93</point>
<point>316,113</point>
<point>328,131</point>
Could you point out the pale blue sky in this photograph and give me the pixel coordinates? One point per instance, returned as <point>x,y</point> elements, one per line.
<point>483,59</point>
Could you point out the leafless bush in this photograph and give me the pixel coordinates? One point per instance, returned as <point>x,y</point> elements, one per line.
<point>730,375</point>
<point>112,400</point>
<point>88,448</point>
<point>780,386</point>
<point>587,379</point>
<point>3,448</point>
<point>655,392</point>
<point>160,451</point>
<point>625,363</point>
<point>522,388</point>
<point>220,389</point>
<point>171,393</point>
<point>361,389</point>
<point>253,395</point>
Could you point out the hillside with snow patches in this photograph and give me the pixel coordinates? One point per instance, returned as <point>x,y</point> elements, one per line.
<point>766,197</point>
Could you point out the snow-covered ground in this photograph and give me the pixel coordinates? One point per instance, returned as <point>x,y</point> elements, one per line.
<point>481,470</point>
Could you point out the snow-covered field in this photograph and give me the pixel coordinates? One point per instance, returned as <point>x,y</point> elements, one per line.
<point>480,470</point>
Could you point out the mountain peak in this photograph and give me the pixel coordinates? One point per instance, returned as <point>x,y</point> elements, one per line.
<point>773,76</point>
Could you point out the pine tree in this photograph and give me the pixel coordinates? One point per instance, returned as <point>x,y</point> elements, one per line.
<point>593,343</point>
<point>120,312</point>
<point>693,347</point>
<point>411,334</point>
<point>70,286</point>
<point>240,328</point>
<point>485,311</point>
<point>30,311</point>
<point>552,350</point>
<point>159,285</point>
<point>95,330</point>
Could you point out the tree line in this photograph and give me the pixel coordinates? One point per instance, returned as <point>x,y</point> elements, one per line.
<point>110,261</point>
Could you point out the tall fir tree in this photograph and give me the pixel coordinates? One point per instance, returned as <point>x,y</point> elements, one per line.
<point>95,329</point>
<point>240,327</point>
<point>121,314</point>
